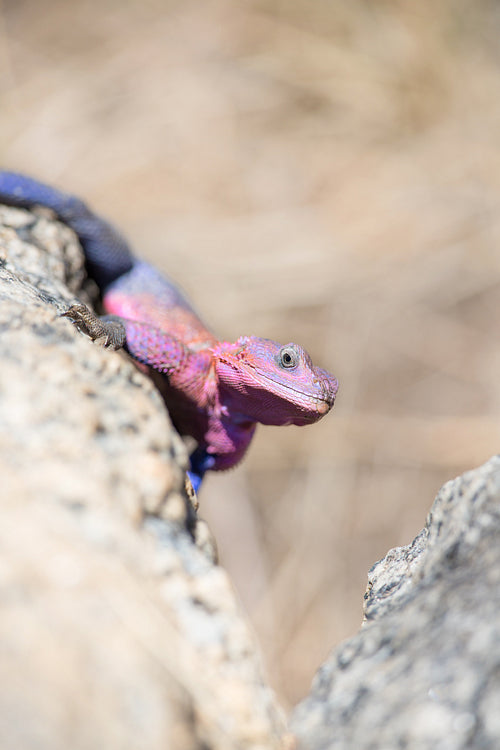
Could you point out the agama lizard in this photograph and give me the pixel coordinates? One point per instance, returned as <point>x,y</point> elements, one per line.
<point>215,391</point>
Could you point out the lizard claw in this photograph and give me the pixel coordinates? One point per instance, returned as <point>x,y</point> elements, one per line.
<point>108,328</point>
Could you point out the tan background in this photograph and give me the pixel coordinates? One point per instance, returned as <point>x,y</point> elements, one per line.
<point>323,172</point>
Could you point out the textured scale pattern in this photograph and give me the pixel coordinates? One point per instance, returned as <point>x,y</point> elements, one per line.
<point>216,391</point>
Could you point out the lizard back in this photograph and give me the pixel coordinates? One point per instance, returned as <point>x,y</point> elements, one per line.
<point>143,294</point>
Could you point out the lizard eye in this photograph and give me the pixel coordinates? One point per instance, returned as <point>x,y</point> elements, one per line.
<point>288,357</point>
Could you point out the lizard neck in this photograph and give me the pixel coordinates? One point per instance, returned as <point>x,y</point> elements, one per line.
<point>197,407</point>
<point>228,440</point>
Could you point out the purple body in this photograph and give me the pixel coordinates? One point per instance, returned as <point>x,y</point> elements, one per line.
<point>215,391</point>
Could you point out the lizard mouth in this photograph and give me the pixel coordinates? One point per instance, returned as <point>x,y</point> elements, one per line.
<point>322,402</point>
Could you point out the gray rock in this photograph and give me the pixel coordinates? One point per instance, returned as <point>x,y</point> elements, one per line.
<point>116,630</point>
<point>424,671</point>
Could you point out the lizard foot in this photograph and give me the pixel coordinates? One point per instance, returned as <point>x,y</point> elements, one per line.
<point>108,328</point>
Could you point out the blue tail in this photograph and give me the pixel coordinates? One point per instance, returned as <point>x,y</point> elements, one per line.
<point>107,253</point>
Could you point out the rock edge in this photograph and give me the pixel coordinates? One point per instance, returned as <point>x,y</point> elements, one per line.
<point>116,630</point>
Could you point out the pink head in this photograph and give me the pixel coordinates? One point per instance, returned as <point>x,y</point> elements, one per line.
<point>280,383</point>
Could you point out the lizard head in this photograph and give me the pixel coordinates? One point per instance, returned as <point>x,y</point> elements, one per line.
<point>273,384</point>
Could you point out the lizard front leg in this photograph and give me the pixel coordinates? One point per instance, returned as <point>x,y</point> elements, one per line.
<point>108,327</point>
<point>159,351</point>
<point>201,462</point>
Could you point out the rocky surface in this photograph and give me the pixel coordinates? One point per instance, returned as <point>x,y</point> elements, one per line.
<point>116,630</point>
<point>424,671</point>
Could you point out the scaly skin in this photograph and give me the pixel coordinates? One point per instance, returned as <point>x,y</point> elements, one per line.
<point>215,391</point>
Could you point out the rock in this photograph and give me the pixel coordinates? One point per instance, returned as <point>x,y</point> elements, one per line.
<point>424,671</point>
<point>116,630</point>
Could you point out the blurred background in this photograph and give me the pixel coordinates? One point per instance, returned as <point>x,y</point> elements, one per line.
<point>321,172</point>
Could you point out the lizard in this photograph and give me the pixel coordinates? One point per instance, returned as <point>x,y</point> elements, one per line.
<point>215,391</point>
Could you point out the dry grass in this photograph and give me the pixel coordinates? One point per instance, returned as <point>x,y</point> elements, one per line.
<point>321,172</point>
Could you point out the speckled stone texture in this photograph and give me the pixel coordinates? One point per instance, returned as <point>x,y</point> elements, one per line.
<point>116,630</point>
<point>424,671</point>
